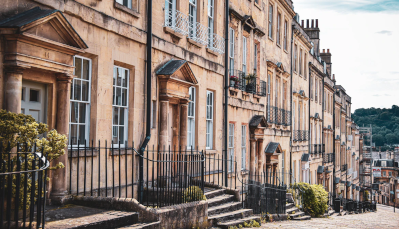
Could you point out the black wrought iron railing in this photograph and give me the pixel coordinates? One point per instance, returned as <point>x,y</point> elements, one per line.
<point>300,135</point>
<point>329,158</point>
<point>23,179</point>
<point>278,116</point>
<point>247,82</point>
<point>344,167</point>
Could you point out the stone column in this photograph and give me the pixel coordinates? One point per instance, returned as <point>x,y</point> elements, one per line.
<point>163,124</point>
<point>183,123</point>
<point>260,156</point>
<point>59,184</point>
<point>252,158</point>
<point>13,89</point>
<point>269,173</point>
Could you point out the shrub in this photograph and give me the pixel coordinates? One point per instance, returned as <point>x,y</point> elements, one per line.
<point>193,193</point>
<point>23,131</point>
<point>315,198</point>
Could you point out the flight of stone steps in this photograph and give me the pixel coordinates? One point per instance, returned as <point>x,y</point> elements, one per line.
<point>225,211</point>
<point>295,213</point>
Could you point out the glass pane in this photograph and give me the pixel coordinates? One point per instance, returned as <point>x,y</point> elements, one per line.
<point>115,134</point>
<point>126,79</point>
<point>115,72</point>
<point>119,77</point>
<point>77,86</point>
<point>115,113</point>
<point>82,113</point>
<point>121,116</point>
<point>86,70</point>
<point>85,91</point>
<point>122,134</point>
<point>124,97</point>
<point>73,135</point>
<point>78,67</point>
<point>113,96</point>
<point>34,95</point>
<point>118,96</point>
<point>71,92</point>
<point>82,138</point>
<point>74,112</point>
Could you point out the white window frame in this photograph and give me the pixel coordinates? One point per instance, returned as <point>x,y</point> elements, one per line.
<point>255,58</point>
<point>278,28</point>
<point>243,147</point>
<point>271,12</point>
<point>86,122</point>
<point>170,12</point>
<point>192,17</point>
<point>285,34</point>
<point>191,119</point>
<point>244,54</point>
<point>119,106</point>
<point>300,62</point>
<point>127,3</point>
<point>295,57</point>
<point>209,119</point>
<point>211,21</point>
<point>231,147</point>
<point>231,50</point>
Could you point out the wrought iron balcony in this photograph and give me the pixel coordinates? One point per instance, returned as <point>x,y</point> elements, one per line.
<point>300,135</point>
<point>278,116</point>
<point>344,167</point>
<point>198,33</point>
<point>216,43</point>
<point>177,21</point>
<point>328,158</point>
<point>247,83</point>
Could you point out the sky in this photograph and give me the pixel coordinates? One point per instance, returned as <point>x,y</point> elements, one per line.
<point>363,37</point>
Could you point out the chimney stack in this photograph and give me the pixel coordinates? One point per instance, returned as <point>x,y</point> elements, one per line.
<point>324,51</point>
<point>333,77</point>
<point>303,23</point>
<point>317,23</point>
<point>328,50</point>
<point>307,23</point>
<point>312,23</point>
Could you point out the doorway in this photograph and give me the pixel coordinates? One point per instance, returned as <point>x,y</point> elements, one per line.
<point>33,100</point>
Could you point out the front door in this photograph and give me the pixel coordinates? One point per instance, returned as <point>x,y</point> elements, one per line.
<point>33,100</point>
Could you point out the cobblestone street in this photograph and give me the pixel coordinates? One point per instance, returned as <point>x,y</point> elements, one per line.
<point>383,218</point>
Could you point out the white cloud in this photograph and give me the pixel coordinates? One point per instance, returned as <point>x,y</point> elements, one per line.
<point>386,32</point>
<point>364,61</point>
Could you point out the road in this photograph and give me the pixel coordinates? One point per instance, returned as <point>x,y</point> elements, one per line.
<point>383,218</point>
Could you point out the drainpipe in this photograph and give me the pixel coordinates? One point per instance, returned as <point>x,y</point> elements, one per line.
<point>226,87</point>
<point>148,108</point>
<point>334,140</point>
<point>310,140</point>
<point>292,43</point>
<point>322,132</point>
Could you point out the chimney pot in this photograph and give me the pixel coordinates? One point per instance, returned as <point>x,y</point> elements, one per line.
<point>307,23</point>
<point>312,23</point>
<point>328,50</point>
<point>303,23</point>
<point>324,50</point>
<point>317,23</point>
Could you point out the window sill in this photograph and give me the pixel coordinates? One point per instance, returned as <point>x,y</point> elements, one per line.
<point>193,42</point>
<point>278,45</point>
<point>210,51</point>
<point>258,6</point>
<point>285,50</point>
<point>270,38</point>
<point>126,10</point>
<point>210,151</point>
<point>172,32</point>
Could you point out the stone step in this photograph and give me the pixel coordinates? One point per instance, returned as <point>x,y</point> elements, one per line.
<point>218,200</point>
<point>238,214</point>
<point>294,209</point>
<point>228,207</point>
<point>289,205</point>
<point>305,217</point>
<point>65,218</point>
<point>237,222</point>
<point>214,193</point>
<point>154,225</point>
<point>297,214</point>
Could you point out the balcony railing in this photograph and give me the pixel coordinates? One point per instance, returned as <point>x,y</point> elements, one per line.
<point>329,158</point>
<point>300,135</point>
<point>317,148</point>
<point>216,43</point>
<point>177,21</point>
<point>198,33</point>
<point>344,167</point>
<point>249,84</point>
<point>278,116</point>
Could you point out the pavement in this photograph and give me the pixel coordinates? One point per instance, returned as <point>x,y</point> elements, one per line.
<point>383,218</point>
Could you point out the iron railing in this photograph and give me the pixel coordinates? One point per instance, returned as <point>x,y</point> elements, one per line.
<point>177,21</point>
<point>249,84</point>
<point>23,180</point>
<point>216,43</point>
<point>300,135</point>
<point>264,193</point>
<point>170,176</point>
<point>344,167</point>
<point>329,158</point>
<point>278,116</point>
<point>198,33</point>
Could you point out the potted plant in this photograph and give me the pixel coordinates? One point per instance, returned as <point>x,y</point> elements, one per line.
<point>234,81</point>
<point>250,83</point>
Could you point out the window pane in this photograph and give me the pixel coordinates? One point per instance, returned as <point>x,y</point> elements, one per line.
<point>86,69</point>
<point>82,113</point>
<point>85,91</point>
<point>119,76</point>
<point>115,115</point>
<point>34,95</point>
<point>74,112</point>
<point>124,97</point>
<point>121,134</point>
<point>114,134</point>
<point>82,132</point>
<point>118,96</point>
<point>78,67</point>
<point>115,73</point>
<point>113,96</point>
<point>73,135</point>
<point>126,78</point>
<point>121,116</point>
<point>77,89</point>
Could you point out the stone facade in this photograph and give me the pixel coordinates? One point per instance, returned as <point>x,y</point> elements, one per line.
<point>282,97</point>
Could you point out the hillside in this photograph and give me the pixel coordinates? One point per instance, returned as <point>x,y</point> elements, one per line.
<point>385,123</point>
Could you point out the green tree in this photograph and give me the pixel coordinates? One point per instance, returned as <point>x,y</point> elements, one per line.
<point>378,139</point>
